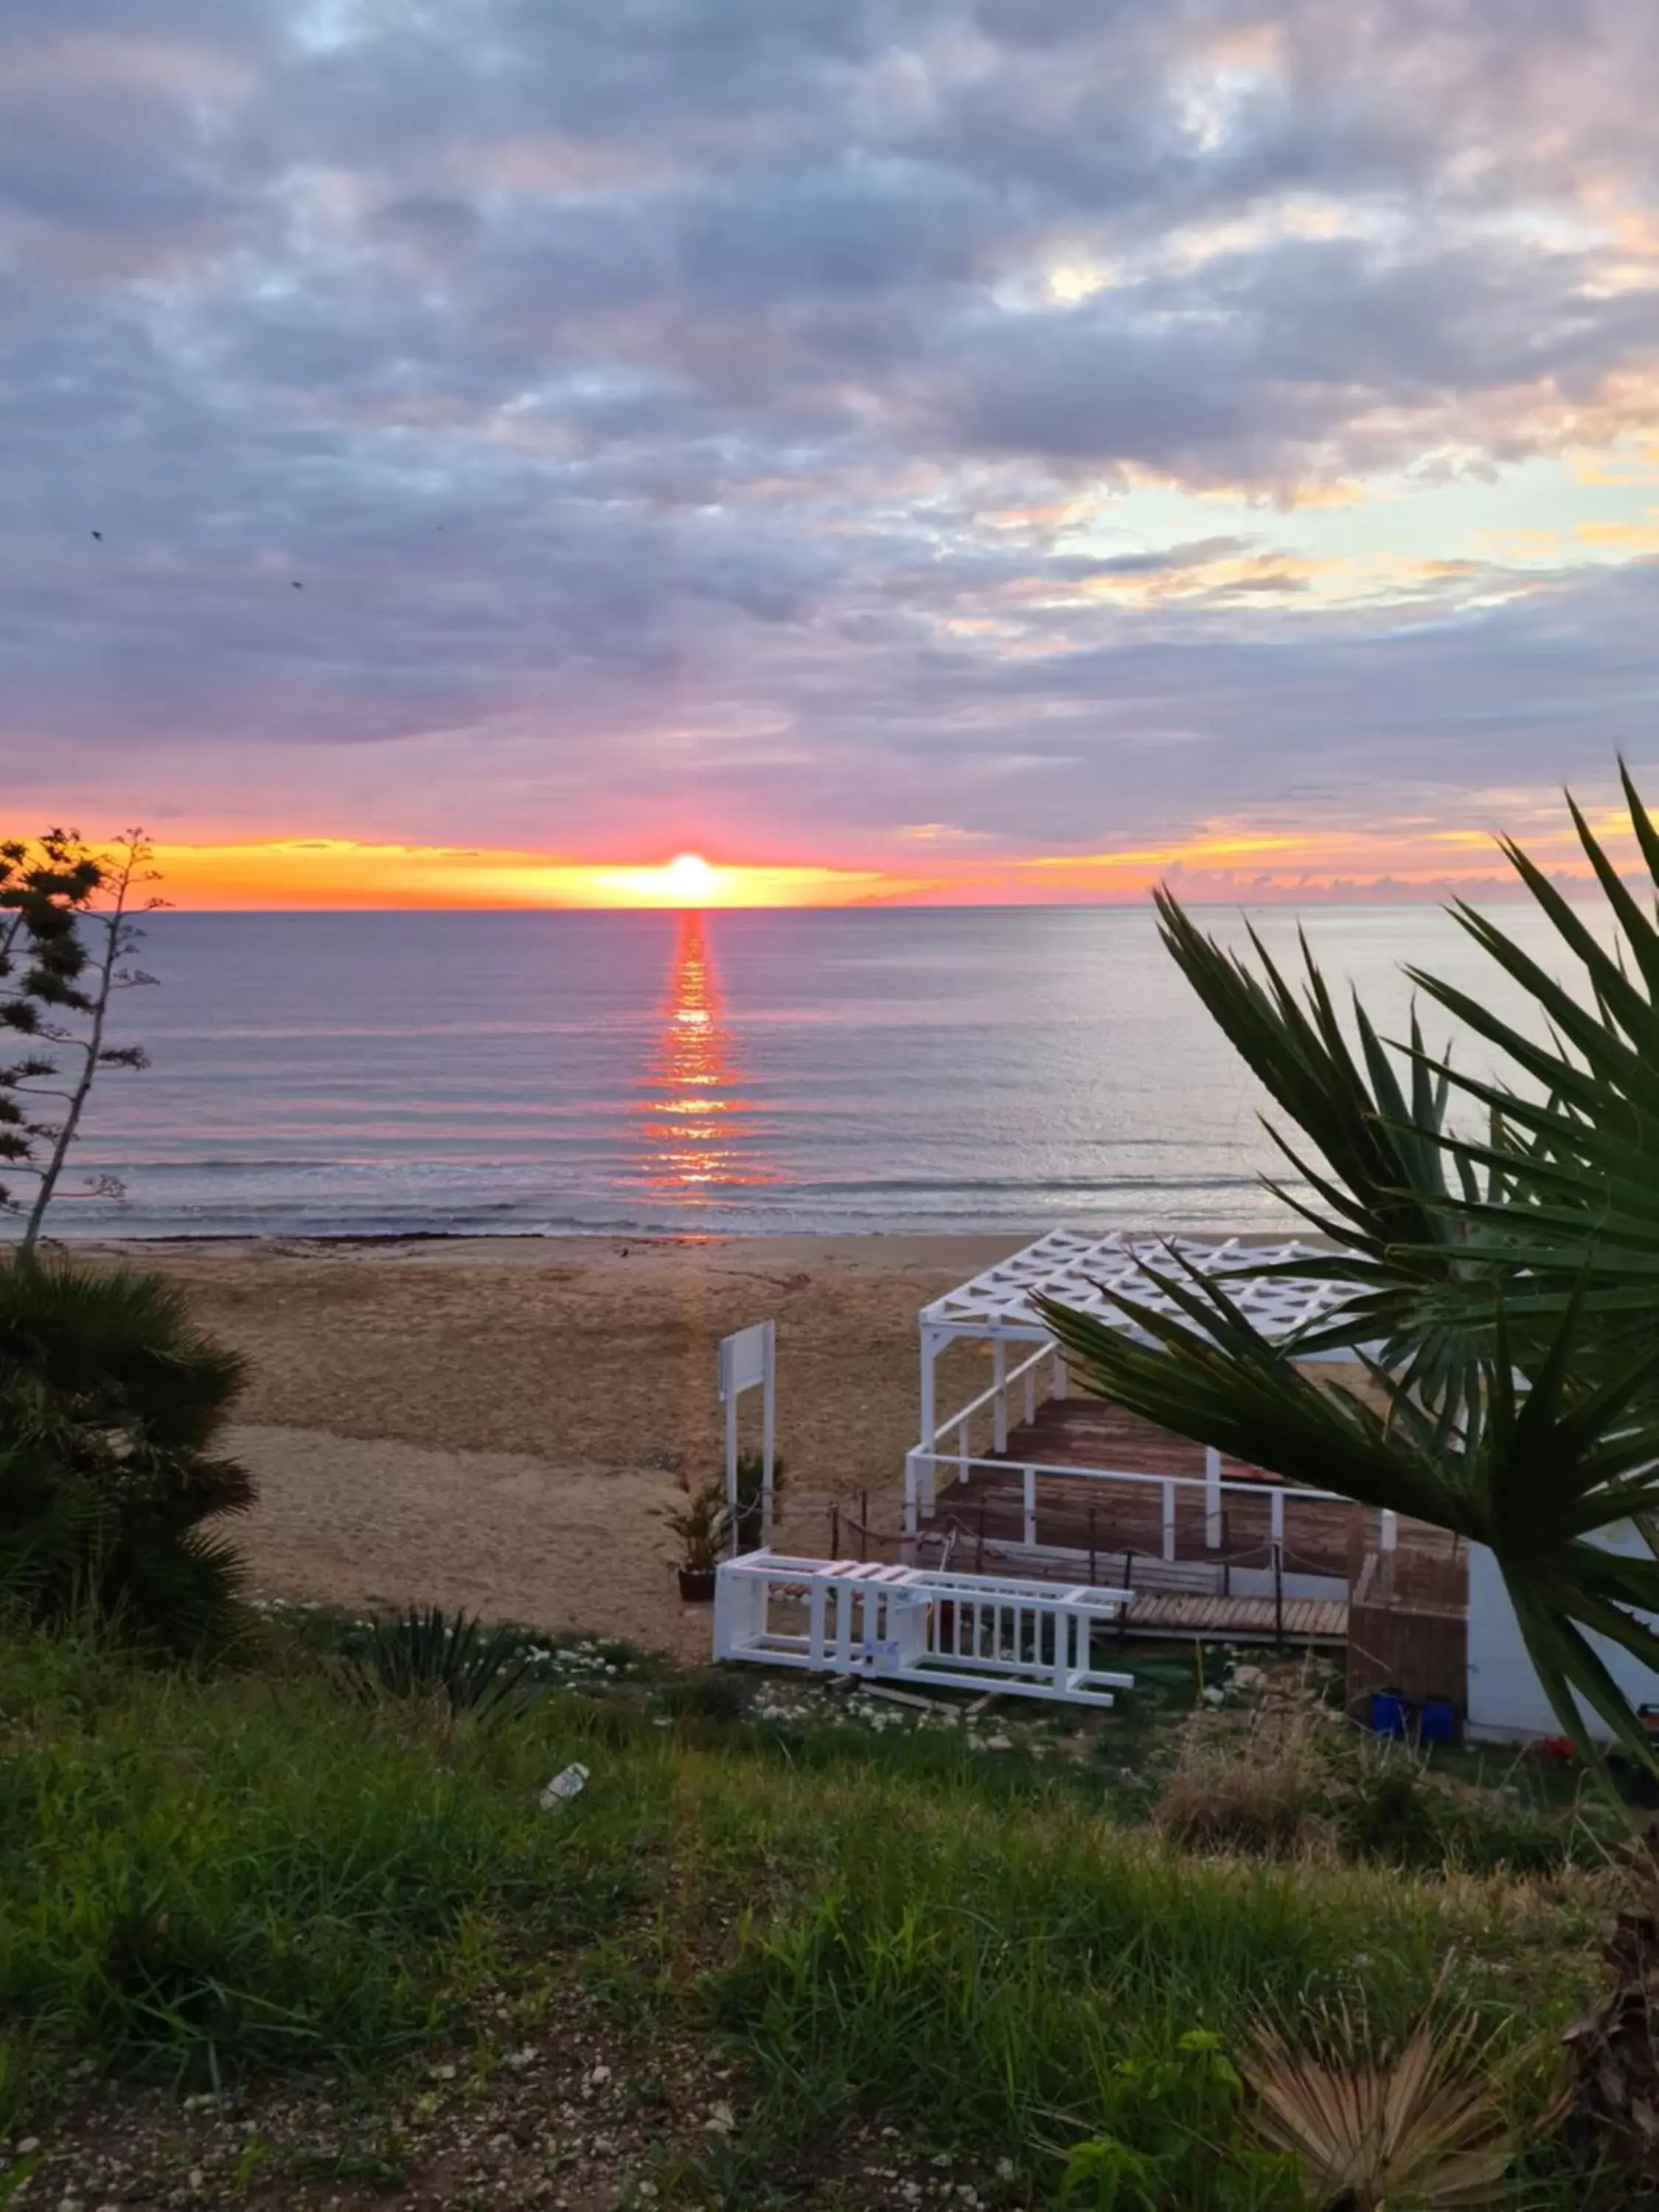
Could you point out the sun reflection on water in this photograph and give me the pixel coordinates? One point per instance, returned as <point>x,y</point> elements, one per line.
<point>700,1132</point>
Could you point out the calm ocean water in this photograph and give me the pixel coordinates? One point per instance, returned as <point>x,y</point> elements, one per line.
<point>323,1074</point>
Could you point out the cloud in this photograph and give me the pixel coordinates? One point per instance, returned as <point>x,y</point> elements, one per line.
<point>808,425</point>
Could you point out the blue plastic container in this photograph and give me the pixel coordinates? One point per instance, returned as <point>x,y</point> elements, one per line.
<point>1388,1713</point>
<point>1438,1721</point>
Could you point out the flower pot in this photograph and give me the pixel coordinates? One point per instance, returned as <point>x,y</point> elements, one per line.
<point>697,1585</point>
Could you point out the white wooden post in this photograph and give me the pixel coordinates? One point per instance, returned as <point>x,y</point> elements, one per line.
<point>1212,1498</point>
<point>748,1360</point>
<point>1169,1521</point>
<point>769,1431</point>
<point>731,1397</point>
<point>1391,1531</point>
<point>930,1346</point>
<point>1030,1394</point>
<point>1030,1506</point>
<point>1000,1403</point>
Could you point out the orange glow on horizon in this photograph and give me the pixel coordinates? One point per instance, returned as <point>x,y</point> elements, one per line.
<point>1223,861</point>
<point>338,872</point>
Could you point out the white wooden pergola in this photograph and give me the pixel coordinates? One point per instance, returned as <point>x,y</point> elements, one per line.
<point>1088,1273</point>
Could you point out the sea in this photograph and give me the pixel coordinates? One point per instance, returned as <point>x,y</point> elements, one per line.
<point>899,1070</point>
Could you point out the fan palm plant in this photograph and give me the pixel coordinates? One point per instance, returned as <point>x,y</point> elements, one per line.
<point>1502,1272</point>
<point>111,1402</point>
<point>1423,2129</point>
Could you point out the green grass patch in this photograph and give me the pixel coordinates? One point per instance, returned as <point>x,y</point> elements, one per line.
<point>204,1879</point>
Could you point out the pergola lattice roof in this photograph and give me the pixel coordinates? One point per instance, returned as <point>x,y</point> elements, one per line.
<point>1085,1272</point>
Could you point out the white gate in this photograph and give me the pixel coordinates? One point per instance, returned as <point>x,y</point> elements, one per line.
<point>749,1361</point>
<point>919,1625</point>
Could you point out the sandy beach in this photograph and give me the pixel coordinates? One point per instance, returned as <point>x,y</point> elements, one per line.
<point>498,1422</point>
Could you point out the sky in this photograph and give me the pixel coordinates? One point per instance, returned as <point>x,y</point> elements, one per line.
<point>473,452</point>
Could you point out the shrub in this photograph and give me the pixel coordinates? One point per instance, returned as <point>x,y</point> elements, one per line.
<point>707,1695</point>
<point>1262,1788</point>
<point>700,1524</point>
<point>428,1653</point>
<point>110,1399</point>
<point>1294,1779</point>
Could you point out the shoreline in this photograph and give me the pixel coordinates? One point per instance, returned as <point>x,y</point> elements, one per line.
<point>1012,1240</point>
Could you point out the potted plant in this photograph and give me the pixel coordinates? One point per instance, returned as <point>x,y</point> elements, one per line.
<point>701,1525</point>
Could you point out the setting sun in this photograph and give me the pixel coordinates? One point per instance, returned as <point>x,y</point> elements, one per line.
<point>691,878</point>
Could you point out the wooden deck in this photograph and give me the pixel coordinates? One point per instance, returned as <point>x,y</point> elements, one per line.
<point>1111,1521</point>
<point>1240,1619</point>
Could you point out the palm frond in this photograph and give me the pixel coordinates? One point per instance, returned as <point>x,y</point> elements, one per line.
<point>1423,2129</point>
<point>1534,1471</point>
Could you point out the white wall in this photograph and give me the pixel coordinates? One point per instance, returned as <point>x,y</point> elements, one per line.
<point>1505,1698</point>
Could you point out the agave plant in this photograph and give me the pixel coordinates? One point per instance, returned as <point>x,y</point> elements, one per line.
<point>110,1403</point>
<point>1503,1272</point>
<point>1366,2135</point>
<point>427,1652</point>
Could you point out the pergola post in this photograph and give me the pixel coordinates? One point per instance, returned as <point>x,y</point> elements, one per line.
<point>1000,1403</point>
<point>1212,1497</point>
<point>930,1352</point>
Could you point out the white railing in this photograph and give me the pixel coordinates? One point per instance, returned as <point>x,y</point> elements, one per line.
<point>923,1625</point>
<point>922,1468</point>
<point>959,1425</point>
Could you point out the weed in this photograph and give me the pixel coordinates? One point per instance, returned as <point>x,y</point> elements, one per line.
<point>707,1695</point>
<point>427,1653</point>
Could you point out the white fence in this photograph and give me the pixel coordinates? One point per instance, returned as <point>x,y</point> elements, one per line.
<point>993,1399</point>
<point>923,1469</point>
<point>921,1625</point>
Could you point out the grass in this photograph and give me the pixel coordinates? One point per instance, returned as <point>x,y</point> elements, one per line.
<point>203,1881</point>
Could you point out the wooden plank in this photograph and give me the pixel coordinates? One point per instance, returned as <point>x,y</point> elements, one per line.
<point>1311,1619</point>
